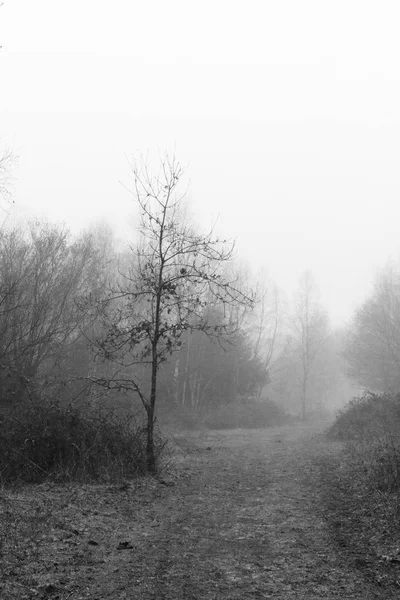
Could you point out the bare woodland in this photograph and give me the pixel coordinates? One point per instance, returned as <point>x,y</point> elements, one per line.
<point>173,424</point>
<point>168,317</point>
<point>104,347</point>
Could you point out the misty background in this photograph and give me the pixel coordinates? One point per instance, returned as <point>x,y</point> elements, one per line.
<point>286,115</point>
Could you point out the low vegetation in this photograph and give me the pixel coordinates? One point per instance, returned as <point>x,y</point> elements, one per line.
<point>47,441</point>
<point>367,480</point>
<point>44,441</point>
<point>371,427</point>
<point>241,413</point>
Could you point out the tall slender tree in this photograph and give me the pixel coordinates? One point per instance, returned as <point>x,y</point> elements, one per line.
<point>175,275</point>
<point>310,329</point>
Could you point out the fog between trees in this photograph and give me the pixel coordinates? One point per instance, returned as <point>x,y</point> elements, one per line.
<point>94,322</point>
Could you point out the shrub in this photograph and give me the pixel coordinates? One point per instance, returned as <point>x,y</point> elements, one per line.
<point>365,415</point>
<point>371,426</point>
<point>41,441</point>
<point>363,494</point>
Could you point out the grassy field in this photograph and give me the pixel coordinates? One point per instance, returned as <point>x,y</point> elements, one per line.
<point>235,515</point>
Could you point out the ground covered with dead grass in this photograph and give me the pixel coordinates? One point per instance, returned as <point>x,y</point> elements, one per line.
<point>237,514</point>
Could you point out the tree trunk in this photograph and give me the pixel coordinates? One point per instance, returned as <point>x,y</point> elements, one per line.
<point>184,392</point>
<point>176,381</point>
<point>150,453</point>
<point>186,371</point>
<point>304,401</point>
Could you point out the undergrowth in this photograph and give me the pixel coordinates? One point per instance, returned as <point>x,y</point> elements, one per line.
<point>370,425</point>
<point>368,477</point>
<point>44,441</point>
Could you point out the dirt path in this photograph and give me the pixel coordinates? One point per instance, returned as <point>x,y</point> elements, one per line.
<point>243,519</point>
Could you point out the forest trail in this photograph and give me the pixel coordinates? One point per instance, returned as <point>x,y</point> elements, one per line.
<point>240,516</point>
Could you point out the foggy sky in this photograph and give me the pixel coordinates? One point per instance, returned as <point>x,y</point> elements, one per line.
<point>286,113</point>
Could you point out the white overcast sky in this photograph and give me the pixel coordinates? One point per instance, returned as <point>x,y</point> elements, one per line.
<point>287,113</point>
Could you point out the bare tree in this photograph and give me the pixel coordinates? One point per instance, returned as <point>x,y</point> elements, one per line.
<point>42,272</point>
<point>372,347</point>
<point>175,276</point>
<point>265,322</point>
<point>310,329</point>
<point>7,159</point>
<point>204,375</point>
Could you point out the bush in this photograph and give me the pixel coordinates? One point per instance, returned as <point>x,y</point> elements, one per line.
<point>371,426</point>
<point>363,494</point>
<point>247,413</point>
<point>43,441</point>
<point>366,415</point>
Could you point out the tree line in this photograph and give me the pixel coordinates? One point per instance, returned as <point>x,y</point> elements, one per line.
<point>168,322</point>
<point>372,344</point>
<point>80,320</point>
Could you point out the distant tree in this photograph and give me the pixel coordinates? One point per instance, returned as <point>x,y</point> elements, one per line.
<point>328,384</point>
<point>372,347</point>
<point>205,374</point>
<point>264,324</point>
<point>331,386</point>
<point>7,159</point>
<point>174,277</point>
<point>42,272</point>
<point>309,330</point>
